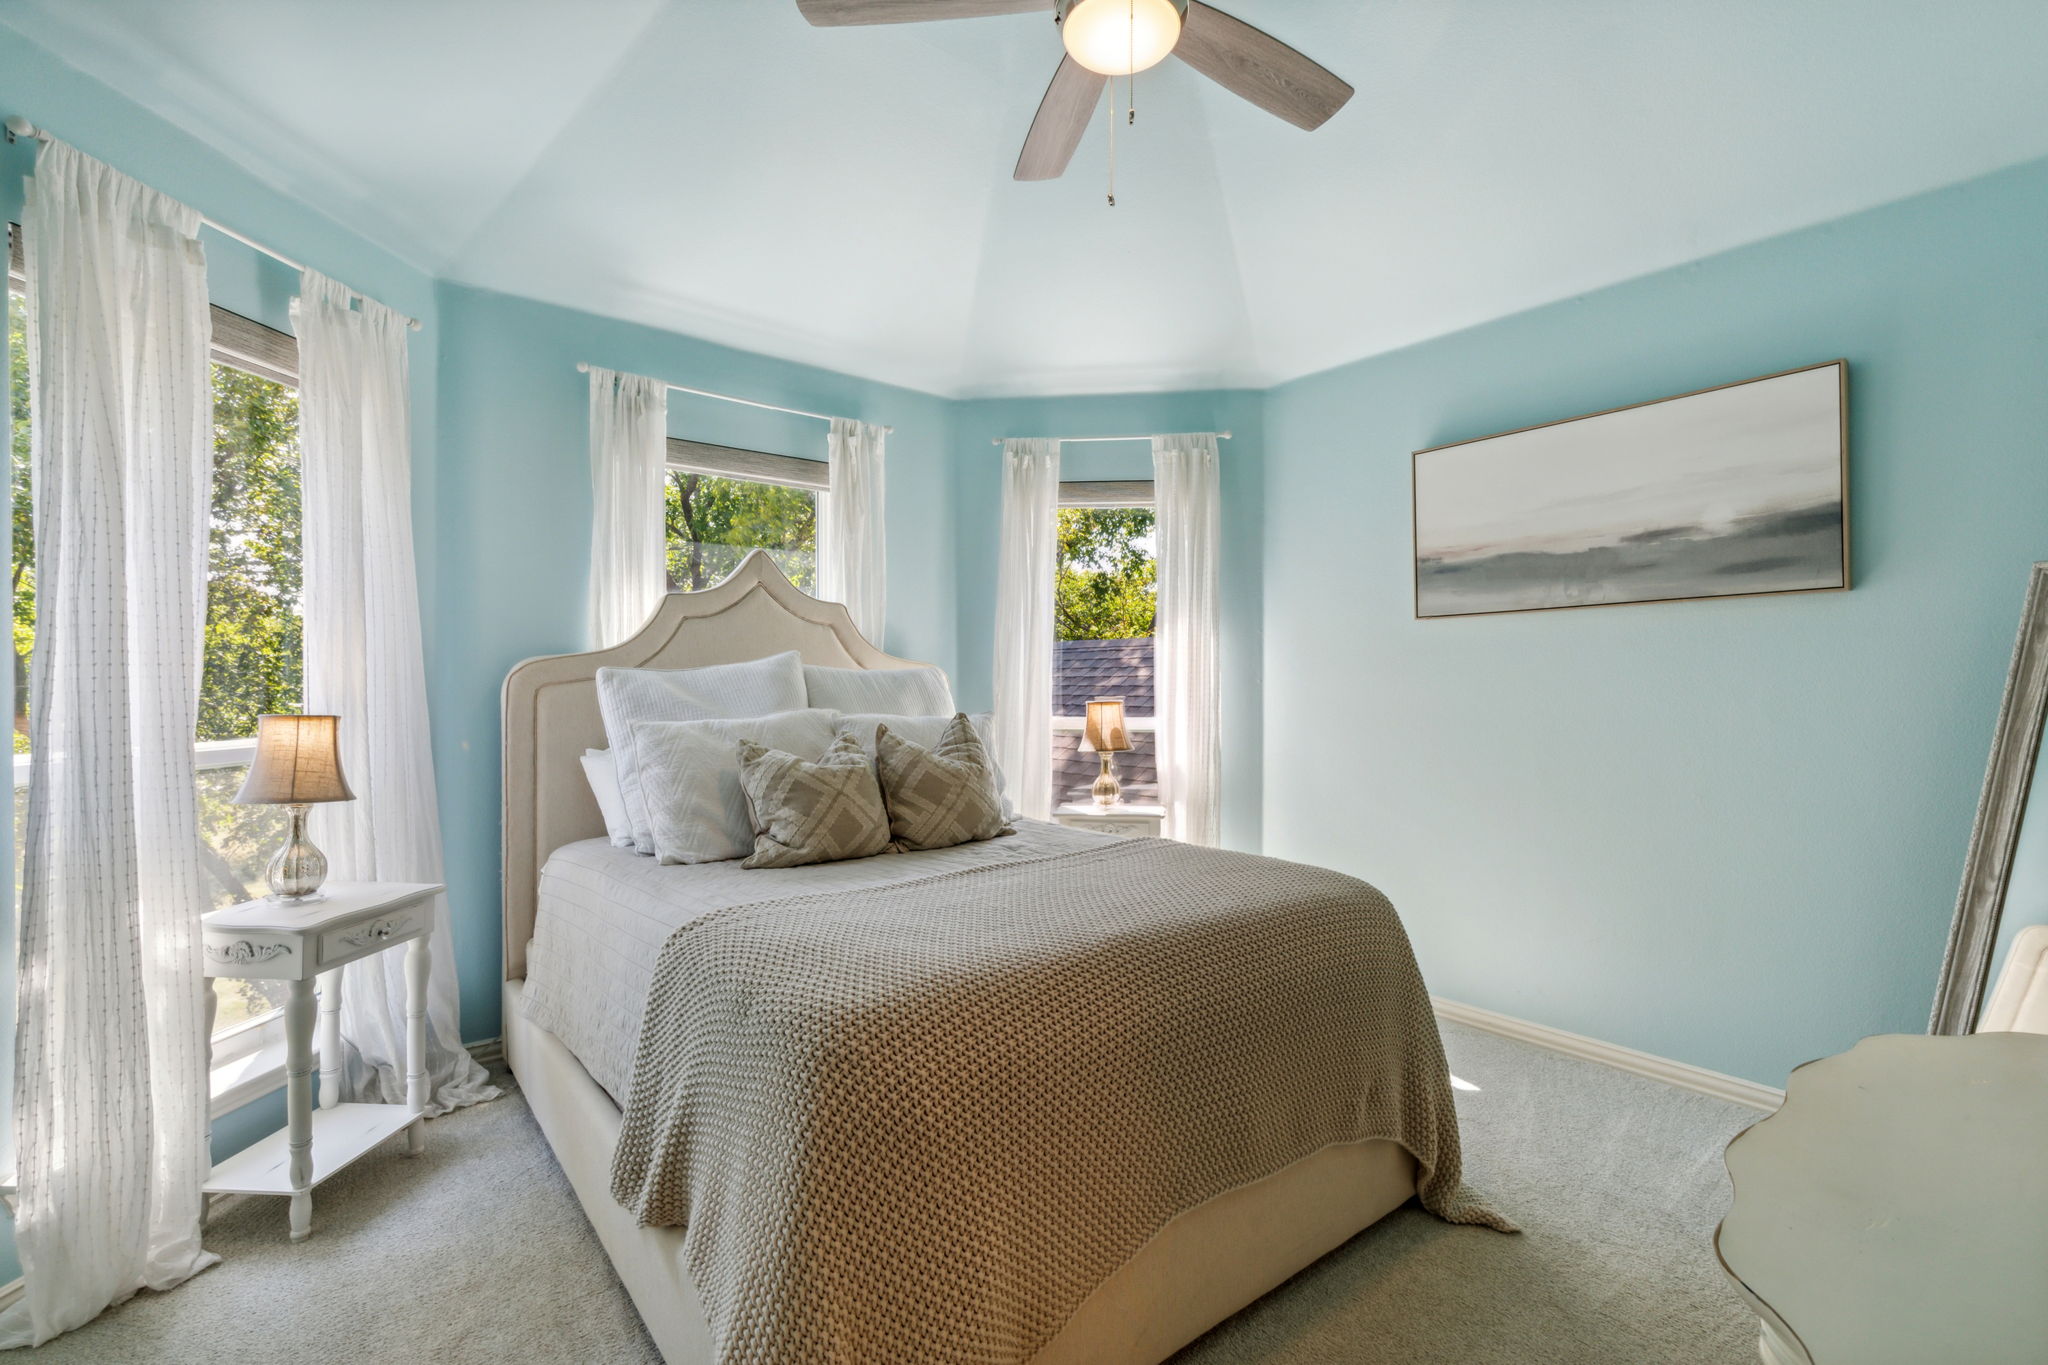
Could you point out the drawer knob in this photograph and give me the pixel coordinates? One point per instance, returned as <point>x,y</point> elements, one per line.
<point>373,933</point>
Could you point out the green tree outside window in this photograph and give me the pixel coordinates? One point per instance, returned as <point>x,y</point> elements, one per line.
<point>712,523</point>
<point>1105,580</point>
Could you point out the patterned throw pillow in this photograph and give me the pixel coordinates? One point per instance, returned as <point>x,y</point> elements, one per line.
<point>822,812</point>
<point>941,796</point>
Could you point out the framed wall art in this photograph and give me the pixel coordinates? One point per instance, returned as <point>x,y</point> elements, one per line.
<point>1732,491</point>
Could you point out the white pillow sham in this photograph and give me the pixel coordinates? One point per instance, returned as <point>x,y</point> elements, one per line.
<point>690,773</point>
<point>925,732</point>
<point>627,697</point>
<point>921,691</point>
<point>602,773</point>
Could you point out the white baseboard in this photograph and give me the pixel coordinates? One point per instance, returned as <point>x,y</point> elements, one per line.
<point>487,1052</point>
<point>10,1292</point>
<point>1684,1075</point>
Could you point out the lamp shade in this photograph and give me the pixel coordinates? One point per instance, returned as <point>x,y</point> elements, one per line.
<point>1106,732</point>
<point>1120,37</point>
<point>298,759</point>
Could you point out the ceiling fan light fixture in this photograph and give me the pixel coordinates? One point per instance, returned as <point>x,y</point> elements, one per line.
<point>1120,37</point>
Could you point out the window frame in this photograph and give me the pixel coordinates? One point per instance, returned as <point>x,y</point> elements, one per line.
<point>740,465</point>
<point>1104,494</point>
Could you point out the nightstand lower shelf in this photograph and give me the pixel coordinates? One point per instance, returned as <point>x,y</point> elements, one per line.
<point>340,1135</point>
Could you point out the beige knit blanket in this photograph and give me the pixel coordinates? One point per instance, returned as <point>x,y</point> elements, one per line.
<point>919,1123</point>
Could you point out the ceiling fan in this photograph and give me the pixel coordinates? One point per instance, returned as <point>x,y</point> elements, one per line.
<point>1107,38</point>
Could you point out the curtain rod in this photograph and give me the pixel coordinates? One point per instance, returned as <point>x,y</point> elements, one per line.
<point>583,367</point>
<point>19,127</point>
<point>1091,440</point>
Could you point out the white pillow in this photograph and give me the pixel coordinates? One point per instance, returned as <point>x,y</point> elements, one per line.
<point>880,691</point>
<point>924,731</point>
<point>630,696</point>
<point>603,775</point>
<point>690,772</point>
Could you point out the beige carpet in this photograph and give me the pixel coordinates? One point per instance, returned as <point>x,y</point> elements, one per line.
<point>477,1252</point>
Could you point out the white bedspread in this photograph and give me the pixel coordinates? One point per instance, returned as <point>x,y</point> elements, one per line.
<point>604,914</point>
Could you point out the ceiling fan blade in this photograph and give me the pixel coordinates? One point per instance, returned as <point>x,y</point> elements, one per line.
<point>1259,67</point>
<point>834,13</point>
<point>1063,115</point>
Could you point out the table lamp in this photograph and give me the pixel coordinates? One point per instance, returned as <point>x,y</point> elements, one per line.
<point>1108,737</point>
<point>298,762</point>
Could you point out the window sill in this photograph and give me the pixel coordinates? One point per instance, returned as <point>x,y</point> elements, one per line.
<point>234,1083</point>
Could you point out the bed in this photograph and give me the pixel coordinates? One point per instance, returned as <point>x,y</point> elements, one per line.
<point>576,904</point>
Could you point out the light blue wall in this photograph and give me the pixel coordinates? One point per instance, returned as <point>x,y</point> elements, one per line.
<point>502,559</point>
<point>515,539</point>
<point>1727,832</point>
<point>977,514</point>
<point>35,83</point>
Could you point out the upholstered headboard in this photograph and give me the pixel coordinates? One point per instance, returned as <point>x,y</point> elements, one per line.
<point>551,717</point>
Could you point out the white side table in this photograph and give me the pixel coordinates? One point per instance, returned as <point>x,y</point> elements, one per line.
<point>1894,1211</point>
<point>274,941</point>
<point>1127,822</point>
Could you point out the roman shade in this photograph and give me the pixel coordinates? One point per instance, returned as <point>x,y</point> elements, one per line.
<point>755,466</point>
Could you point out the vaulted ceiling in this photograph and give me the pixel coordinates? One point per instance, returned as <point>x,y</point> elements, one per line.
<point>843,196</point>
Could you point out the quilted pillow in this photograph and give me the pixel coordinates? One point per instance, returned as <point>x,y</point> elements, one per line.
<point>629,697</point>
<point>822,812</point>
<point>695,799</point>
<point>938,796</point>
<point>921,691</point>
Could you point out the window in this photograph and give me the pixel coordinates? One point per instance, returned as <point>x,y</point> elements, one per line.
<point>721,502</point>
<point>1103,603</point>
<point>253,651</point>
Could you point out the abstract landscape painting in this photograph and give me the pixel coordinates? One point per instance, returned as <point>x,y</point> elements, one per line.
<point>1731,491</point>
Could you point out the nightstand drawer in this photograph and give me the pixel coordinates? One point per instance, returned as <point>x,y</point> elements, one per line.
<point>1126,822</point>
<point>367,936</point>
<point>254,957</point>
<point>1126,828</point>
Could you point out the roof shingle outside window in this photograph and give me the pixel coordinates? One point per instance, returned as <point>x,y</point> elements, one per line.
<point>1083,670</point>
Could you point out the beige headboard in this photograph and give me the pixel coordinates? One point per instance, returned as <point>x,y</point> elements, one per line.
<point>550,708</point>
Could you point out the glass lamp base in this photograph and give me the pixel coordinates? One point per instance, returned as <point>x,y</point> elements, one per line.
<point>297,869</point>
<point>1107,791</point>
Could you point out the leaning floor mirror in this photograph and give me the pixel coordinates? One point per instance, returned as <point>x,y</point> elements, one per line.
<point>2001,921</point>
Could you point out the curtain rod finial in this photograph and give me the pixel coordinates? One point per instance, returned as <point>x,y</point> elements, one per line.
<point>19,127</point>
<point>583,367</point>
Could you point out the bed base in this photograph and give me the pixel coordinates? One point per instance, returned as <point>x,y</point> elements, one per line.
<point>1203,1266</point>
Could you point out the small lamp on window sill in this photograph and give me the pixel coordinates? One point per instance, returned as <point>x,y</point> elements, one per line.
<point>298,762</point>
<point>1107,736</point>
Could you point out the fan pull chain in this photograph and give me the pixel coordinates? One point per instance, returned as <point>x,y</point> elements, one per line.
<point>1112,144</point>
<point>1131,49</point>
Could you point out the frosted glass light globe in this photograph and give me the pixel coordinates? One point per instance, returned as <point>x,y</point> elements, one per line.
<point>1119,37</point>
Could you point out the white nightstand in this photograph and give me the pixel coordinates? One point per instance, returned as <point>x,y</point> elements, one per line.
<point>273,941</point>
<point>1129,822</point>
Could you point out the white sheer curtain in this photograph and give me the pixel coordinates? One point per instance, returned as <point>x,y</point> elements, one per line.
<point>628,454</point>
<point>1187,501</point>
<point>852,554</point>
<point>110,1045</point>
<point>1024,592</point>
<point>363,664</point>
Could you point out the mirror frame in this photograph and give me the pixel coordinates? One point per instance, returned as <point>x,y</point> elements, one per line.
<point>1987,872</point>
